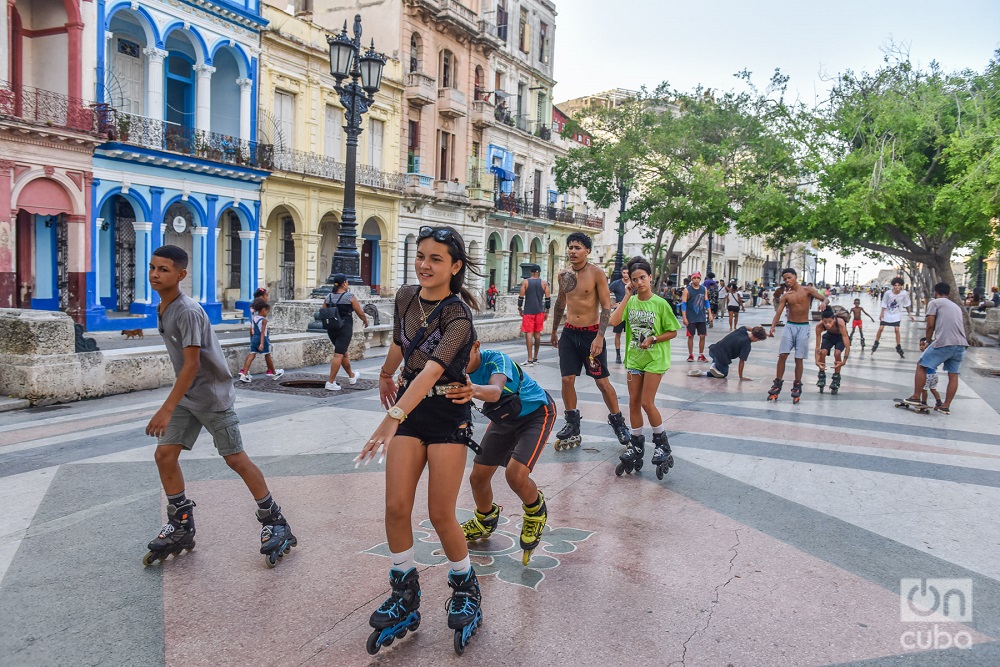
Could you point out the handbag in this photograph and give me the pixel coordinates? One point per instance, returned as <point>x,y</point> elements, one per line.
<point>330,315</point>
<point>508,406</point>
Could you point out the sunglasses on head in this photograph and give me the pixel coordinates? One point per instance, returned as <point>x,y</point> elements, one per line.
<point>441,235</point>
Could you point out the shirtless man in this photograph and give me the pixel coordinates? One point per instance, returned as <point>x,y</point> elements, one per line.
<point>831,336</point>
<point>796,298</point>
<point>586,300</point>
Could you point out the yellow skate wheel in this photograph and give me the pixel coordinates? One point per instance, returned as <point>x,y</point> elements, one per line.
<point>526,557</point>
<point>149,559</point>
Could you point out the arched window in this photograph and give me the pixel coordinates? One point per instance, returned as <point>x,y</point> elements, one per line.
<point>415,53</point>
<point>448,70</point>
<point>480,83</point>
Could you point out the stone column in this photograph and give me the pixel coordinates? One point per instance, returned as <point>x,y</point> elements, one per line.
<point>246,264</point>
<point>154,82</point>
<point>199,263</point>
<point>4,59</point>
<point>143,253</point>
<point>203,97</point>
<point>246,88</point>
<point>262,235</point>
<point>386,264</point>
<point>8,229</point>
<point>503,259</point>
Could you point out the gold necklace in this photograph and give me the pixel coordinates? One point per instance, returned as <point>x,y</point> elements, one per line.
<point>423,314</point>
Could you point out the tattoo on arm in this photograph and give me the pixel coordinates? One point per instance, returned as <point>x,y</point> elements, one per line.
<point>558,312</point>
<point>605,318</point>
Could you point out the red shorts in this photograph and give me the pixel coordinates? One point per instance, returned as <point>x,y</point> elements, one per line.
<point>857,323</point>
<point>532,323</point>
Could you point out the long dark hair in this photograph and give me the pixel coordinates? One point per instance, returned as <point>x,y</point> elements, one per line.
<point>456,248</point>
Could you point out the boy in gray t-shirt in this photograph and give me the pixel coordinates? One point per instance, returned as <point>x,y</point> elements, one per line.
<point>202,396</point>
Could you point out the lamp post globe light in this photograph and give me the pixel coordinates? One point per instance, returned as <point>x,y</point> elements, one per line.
<point>364,71</point>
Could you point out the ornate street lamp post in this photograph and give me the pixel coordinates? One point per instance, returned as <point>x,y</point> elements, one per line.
<point>623,189</point>
<point>365,73</point>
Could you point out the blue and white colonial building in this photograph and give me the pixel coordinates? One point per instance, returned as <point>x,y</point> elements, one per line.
<point>181,165</point>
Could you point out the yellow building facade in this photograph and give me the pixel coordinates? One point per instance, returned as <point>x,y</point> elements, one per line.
<point>302,200</point>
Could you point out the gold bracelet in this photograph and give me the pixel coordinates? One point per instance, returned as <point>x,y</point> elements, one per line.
<point>383,374</point>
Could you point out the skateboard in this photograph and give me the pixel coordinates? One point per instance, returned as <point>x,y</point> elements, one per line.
<point>919,408</point>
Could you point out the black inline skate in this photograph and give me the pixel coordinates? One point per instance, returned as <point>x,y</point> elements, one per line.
<point>398,614</point>
<point>465,613</point>
<point>662,458</point>
<point>276,537</point>
<point>175,536</point>
<point>621,429</point>
<point>899,350</point>
<point>874,347</point>
<point>772,393</point>
<point>821,381</point>
<point>835,385</point>
<point>796,391</point>
<point>569,436</point>
<point>532,527</point>
<point>631,458</point>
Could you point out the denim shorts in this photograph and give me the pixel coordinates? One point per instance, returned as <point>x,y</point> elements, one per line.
<point>949,355</point>
<point>185,426</point>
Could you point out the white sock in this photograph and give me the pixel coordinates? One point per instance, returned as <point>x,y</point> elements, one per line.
<point>637,431</point>
<point>403,561</point>
<point>460,566</point>
<point>659,429</point>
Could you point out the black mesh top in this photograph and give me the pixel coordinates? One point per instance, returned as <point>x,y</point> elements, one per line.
<point>449,335</point>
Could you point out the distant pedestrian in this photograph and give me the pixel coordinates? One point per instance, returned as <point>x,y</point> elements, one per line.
<point>260,342</point>
<point>491,297</point>
<point>618,288</point>
<point>696,314</point>
<point>533,304</point>
<point>347,305</point>
<point>734,303</point>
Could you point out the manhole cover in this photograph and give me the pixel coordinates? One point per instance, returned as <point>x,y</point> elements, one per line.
<point>304,384</point>
<point>989,372</point>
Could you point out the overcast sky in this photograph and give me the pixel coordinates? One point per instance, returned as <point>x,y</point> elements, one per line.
<point>602,44</point>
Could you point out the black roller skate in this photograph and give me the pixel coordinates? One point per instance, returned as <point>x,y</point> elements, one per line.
<point>481,526</point>
<point>631,458</point>
<point>821,381</point>
<point>874,347</point>
<point>899,350</point>
<point>662,458</point>
<point>532,527</point>
<point>569,436</point>
<point>276,537</point>
<point>835,385</point>
<point>796,391</point>
<point>772,393</point>
<point>398,614</point>
<point>621,429</point>
<point>175,536</point>
<point>465,613</point>
<point>862,340</point>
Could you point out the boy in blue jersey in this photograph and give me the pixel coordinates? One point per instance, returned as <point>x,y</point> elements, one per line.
<point>515,442</point>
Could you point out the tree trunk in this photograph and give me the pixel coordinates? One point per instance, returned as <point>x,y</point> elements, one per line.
<point>665,264</point>
<point>655,259</point>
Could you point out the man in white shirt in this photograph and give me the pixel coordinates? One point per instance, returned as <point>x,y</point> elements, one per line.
<point>893,303</point>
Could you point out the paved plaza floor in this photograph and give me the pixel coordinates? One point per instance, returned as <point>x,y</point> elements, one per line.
<point>781,537</point>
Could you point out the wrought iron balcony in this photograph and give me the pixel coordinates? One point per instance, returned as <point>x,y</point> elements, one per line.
<point>527,206</point>
<point>322,166</point>
<point>133,130</point>
<point>44,108</point>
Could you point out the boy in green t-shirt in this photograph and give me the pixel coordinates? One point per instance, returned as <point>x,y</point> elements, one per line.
<point>650,324</point>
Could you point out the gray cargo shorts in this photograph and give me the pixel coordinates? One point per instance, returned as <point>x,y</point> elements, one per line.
<point>185,426</point>
<point>795,337</point>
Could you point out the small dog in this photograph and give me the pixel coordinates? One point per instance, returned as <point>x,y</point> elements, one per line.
<point>132,333</point>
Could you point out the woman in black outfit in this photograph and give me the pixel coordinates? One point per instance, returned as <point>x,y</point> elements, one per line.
<point>432,339</point>
<point>347,304</point>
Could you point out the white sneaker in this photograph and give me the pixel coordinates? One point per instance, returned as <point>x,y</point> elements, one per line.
<point>354,378</point>
<point>715,372</point>
<point>245,377</point>
<point>278,372</point>
<point>332,386</point>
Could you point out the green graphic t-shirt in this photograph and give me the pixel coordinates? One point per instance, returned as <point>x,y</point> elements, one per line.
<point>643,319</point>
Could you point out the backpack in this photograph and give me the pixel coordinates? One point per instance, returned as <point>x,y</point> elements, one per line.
<point>842,313</point>
<point>330,314</point>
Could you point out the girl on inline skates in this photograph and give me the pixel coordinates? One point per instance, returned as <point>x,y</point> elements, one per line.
<point>650,324</point>
<point>432,340</point>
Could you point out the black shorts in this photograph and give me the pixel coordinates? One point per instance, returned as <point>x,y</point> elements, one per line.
<point>733,309</point>
<point>620,328</point>
<point>830,342</point>
<point>341,338</point>
<point>574,353</point>
<point>883,323</point>
<point>521,439</point>
<point>436,420</point>
<point>697,329</point>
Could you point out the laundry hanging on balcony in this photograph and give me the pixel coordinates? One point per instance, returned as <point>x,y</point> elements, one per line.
<point>501,173</point>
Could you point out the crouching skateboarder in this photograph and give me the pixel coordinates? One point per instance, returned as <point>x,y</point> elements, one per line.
<point>521,415</point>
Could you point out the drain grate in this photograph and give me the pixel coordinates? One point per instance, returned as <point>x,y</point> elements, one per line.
<point>304,384</point>
<point>989,372</point>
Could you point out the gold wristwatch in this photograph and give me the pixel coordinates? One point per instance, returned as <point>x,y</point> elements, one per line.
<point>396,412</point>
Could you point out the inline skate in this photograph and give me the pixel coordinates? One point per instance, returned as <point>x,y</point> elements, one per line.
<point>481,526</point>
<point>772,393</point>
<point>175,536</point>
<point>821,381</point>
<point>662,458</point>
<point>631,458</point>
<point>276,537</point>
<point>569,436</point>
<point>398,614</point>
<point>835,385</point>
<point>874,347</point>
<point>796,391</point>
<point>620,428</point>
<point>532,527</point>
<point>899,350</point>
<point>465,613</point>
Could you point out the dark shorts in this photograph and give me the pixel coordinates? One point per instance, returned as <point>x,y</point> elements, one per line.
<point>522,439</point>
<point>574,353</point>
<point>697,329</point>
<point>255,345</point>
<point>620,328</point>
<point>436,420</point>
<point>830,342</point>
<point>883,323</point>
<point>733,309</point>
<point>341,338</point>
